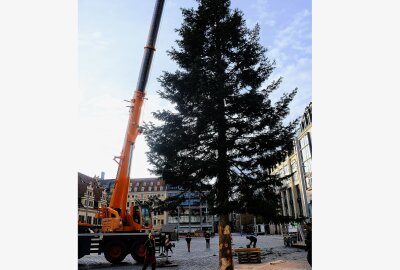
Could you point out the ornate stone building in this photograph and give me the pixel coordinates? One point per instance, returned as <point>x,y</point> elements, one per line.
<point>91,196</point>
<point>142,189</point>
<point>296,193</point>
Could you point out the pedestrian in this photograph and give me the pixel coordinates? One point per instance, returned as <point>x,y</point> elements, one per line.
<point>207,237</point>
<point>253,240</point>
<point>188,238</point>
<point>162,243</point>
<point>168,245</point>
<point>150,253</point>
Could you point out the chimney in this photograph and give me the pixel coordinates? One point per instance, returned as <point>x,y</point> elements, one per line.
<point>102,175</point>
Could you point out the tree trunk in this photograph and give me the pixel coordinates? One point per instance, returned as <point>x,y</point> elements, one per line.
<point>225,244</point>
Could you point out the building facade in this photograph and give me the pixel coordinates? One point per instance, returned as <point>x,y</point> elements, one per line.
<point>296,192</point>
<point>91,196</point>
<point>192,215</point>
<point>142,189</point>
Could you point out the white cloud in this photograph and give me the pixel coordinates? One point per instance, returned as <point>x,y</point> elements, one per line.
<point>296,34</point>
<point>264,15</point>
<point>292,51</point>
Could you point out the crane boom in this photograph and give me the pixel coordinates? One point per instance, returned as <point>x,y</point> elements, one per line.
<point>119,196</point>
<point>123,231</point>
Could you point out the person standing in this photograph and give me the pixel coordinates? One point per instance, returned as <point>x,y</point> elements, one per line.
<point>168,245</point>
<point>162,244</point>
<point>188,238</point>
<point>150,253</point>
<point>207,237</point>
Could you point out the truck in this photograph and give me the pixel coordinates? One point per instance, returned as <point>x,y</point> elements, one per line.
<point>293,235</point>
<point>124,231</point>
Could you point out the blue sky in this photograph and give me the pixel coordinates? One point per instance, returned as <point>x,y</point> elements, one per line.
<point>111,39</point>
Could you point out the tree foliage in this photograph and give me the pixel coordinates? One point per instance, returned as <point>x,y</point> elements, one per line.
<point>224,134</point>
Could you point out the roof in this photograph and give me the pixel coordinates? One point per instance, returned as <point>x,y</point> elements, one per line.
<point>84,181</point>
<point>138,183</point>
<point>147,184</point>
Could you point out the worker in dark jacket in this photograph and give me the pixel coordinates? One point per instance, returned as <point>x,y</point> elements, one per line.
<point>253,240</point>
<point>207,237</point>
<point>162,243</point>
<point>188,238</point>
<point>150,253</point>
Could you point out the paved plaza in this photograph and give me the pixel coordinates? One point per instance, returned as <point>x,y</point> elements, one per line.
<point>201,258</point>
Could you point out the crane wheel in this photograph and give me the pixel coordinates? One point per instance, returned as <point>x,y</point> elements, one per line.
<point>138,251</point>
<point>115,251</point>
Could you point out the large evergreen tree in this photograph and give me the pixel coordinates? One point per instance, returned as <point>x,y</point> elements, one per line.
<point>224,135</point>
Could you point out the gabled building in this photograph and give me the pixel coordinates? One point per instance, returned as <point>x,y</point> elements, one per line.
<point>91,196</point>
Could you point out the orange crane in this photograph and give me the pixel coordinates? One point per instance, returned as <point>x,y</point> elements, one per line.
<point>124,231</point>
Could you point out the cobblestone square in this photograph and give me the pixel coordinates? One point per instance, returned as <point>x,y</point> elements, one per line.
<point>201,258</point>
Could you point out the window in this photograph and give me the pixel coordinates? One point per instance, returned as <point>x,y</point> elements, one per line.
<point>89,219</point>
<point>142,188</point>
<point>137,184</point>
<point>294,166</point>
<point>303,142</point>
<point>162,222</point>
<point>305,152</point>
<point>299,200</point>
<point>81,218</point>
<point>286,170</point>
<point>144,184</point>
<point>135,189</point>
<point>151,183</point>
<point>150,188</point>
<point>158,183</point>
